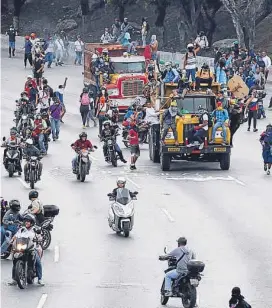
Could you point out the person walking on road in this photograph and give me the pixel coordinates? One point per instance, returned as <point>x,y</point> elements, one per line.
<point>84,106</point>
<point>60,93</point>
<point>266,141</point>
<point>11,34</point>
<point>252,105</point>
<point>79,50</point>
<point>134,145</point>
<point>55,112</point>
<point>237,300</point>
<point>28,48</point>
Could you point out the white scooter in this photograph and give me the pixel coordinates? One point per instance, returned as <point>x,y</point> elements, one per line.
<point>121,211</point>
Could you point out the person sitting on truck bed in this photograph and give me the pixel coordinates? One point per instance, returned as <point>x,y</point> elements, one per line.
<point>204,76</point>
<point>221,118</point>
<point>169,121</point>
<point>106,37</point>
<point>201,131</point>
<point>171,74</point>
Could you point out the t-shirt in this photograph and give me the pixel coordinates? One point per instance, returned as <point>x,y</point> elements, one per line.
<point>55,111</point>
<point>32,94</point>
<point>151,116</point>
<point>11,34</point>
<point>79,45</point>
<point>38,64</point>
<point>178,253</point>
<point>135,137</point>
<point>28,47</point>
<point>205,117</point>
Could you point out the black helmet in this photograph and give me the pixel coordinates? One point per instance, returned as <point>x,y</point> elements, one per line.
<point>236,291</point>
<point>205,66</point>
<point>44,114</point>
<point>33,194</point>
<point>83,134</point>
<point>85,90</point>
<point>182,241</point>
<point>31,218</point>
<point>15,205</point>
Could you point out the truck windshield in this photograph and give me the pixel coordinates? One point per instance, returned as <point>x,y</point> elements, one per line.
<point>131,67</point>
<point>191,104</point>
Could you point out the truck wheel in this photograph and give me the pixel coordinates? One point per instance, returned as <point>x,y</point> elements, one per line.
<point>165,162</point>
<point>154,154</point>
<point>225,161</point>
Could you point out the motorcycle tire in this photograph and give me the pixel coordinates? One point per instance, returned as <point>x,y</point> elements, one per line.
<point>164,299</point>
<point>5,255</point>
<point>113,160</point>
<point>10,170</point>
<point>20,274</point>
<point>191,301</point>
<point>32,179</point>
<point>126,229</point>
<point>46,239</point>
<point>83,173</point>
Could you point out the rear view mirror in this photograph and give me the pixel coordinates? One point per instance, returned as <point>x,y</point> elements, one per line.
<point>109,195</point>
<point>135,193</point>
<point>95,146</point>
<point>4,139</point>
<point>165,249</point>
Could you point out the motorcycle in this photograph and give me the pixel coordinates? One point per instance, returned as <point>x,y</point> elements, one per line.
<point>23,261</point>
<point>12,159</point>
<point>32,172</point>
<point>111,156</point>
<point>143,132</point>
<point>184,286</point>
<point>83,164</point>
<point>121,211</point>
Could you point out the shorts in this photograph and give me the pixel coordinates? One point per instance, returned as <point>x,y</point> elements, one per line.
<point>135,150</point>
<point>37,75</point>
<point>12,45</point>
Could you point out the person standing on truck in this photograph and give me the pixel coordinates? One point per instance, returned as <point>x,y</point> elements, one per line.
<point>144,30</point>
<point>79,45</point>
<point>169,121</point>
<point>190,62</point>
<point>11,34</point>
<point>154,47</point>
<point>204,76</point>
<point>106,37</point>
<point>116,29</point>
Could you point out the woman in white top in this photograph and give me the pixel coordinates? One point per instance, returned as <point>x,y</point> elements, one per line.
<point>190,62</point>
<point>79,45</point>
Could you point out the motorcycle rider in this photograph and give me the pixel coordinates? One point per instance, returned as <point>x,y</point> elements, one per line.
<point>28,122</point>
<point>28,229</point>
<point>9,225</point>
<point>36,206</point>
<point>40,127</point>
<point>31,150</point>
<point>121,183</point>
<point>107,132</point>
<point>80,144</point>
<point>183,255</point>
<point>237,300</point>
<point>4,208</point>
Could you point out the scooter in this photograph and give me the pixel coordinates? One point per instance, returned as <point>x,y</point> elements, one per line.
<point>121,211</point>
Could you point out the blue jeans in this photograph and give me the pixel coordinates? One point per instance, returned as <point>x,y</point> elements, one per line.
<point>154,56</point>
<point>12,45</point>
<point>41,143</point>
<point>168,279</point>
<point>78,57</point>
<point>6,242</point>
<point>38,265</point>
<point>192,73</point>
<point>55,127</point>
<point>216,126</point>
<point>49,58</point>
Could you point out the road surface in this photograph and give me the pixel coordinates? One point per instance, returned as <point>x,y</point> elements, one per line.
<point>226,216</point>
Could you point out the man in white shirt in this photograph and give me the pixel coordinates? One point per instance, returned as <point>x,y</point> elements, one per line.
<point>202,40</point>
<point>79,45</point>
<point>267,62</point>
<point>60,51</point>
<point>106,37</point>
<point>151,115</point>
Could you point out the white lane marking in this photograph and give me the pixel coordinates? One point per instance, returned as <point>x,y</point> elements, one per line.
<point>237,181</point>
<point>167,214</point>
<point>132,182</point>
<point>23,183</point>
<point>42,301</point>
<point>56,255</point>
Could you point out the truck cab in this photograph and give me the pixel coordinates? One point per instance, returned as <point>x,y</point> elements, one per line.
<point>127,78</point>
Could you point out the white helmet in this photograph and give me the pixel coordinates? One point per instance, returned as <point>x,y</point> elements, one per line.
<point>190,45</point>
<point>105,50</point>
<point>29,141</point>
<point>94,56</point>
<point>121,180</point>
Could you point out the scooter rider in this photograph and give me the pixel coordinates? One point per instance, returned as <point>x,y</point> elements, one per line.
<point>80,144</point>
<point>29,231</point>
<point>110,131</point>
<point>10,224</point>
<point>121,183</point>
<point>183,256</point>
<point>31,150</point>
<point>36,206</point>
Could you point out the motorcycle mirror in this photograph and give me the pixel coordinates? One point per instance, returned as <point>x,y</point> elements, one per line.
<point>95,146</point>
<point>135,193</point>
<point>109,195</point>
<point>16,101</point>
<point>165,249</point>
<point>14,120</point>
<point>4,139</point>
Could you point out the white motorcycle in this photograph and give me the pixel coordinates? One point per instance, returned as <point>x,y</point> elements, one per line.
<point>121,211</point>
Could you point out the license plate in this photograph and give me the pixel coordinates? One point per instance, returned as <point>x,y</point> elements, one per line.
<point>173,149</point>
<point>220,149</point>
<point>194,282</point>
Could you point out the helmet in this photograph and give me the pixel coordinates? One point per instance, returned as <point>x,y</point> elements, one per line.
<point>44,114</point>
<point>182,241</point>
<point>190,45</point>
<point>33,35</point>
<point>94,56</point>
<point>236,291</point>
<point>174,104</point>
<point>31,218</point>
<point>85,90</point>
<point>27,37</point>
<point>15,205</point>
<point>29,141</point>
<point>38,116</point>
<point>83,134</point>
<point>121,180</point>
<point>13,132</point>
<point>106,123</point>
<point>105,50</point>
<point>33,194</point>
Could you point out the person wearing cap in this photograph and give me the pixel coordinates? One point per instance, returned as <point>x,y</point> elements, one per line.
<point>204,76</point>
<point>221,118</point>
<point>11,34</point>
<point>237,300</point>
<point>183,255</point>
<point>169,121</point>
<point>190,62</point>
<point>79,50</point>
<point>28,48</point>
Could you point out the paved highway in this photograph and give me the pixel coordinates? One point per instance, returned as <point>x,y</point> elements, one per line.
<point>226,217</point>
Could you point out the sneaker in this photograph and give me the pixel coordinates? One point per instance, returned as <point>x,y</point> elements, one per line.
<point>265,167</point>
<point>268,172</point>
<point>19,173</point>
<point>57,136</point>
<point>201,146</point>
<point>190,145</point>
<point>12,283</point>
<point>74,171</point>
<point>40,282</point>
<point>123,161</point>
<point>83,126</point>
<point>61,121</point>
<point>54,139</point>
<point>255,130</point>
<point>248,129</point>
<point>168,293</point>
<point>87,125</point>
<point>132,167</point>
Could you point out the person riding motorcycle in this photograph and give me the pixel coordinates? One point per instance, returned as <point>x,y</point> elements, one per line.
<point>25,121</point>
<point>47,131</point>
<point>31,150</point>
<point>121,183</point>
<point>107,132</point>
<point>10,224</point>
<point>80,144</point>
<point>40,127</point>
<point>36,206</point>
<point>4,208</point>
<point>29,231</point>
<point>183,256</point>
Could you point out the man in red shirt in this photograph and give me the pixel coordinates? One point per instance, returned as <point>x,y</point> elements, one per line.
<point>81,144</point>
<point>134,145</point>
<point>32,81</point>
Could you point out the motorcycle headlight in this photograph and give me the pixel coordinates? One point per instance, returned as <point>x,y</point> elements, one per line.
<point>20,247</point>
<point>109,142</point>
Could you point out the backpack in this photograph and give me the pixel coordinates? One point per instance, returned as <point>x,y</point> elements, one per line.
<point>210,122</point>
<point>85,100</point>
